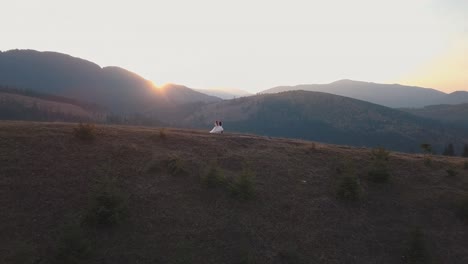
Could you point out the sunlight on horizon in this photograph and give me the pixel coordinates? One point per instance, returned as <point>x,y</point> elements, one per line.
<point>254,45</point>
<point>449,68</point>
<point>164,86</point>
<point>160,88</point>
<point>155,86</point>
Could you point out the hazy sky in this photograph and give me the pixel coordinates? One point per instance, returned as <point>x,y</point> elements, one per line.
<point>253,44</point>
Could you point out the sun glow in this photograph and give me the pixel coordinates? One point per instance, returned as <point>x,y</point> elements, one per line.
<point>161,89</point>
<point>446,72</point>
<point>294,42</point>
<point>154,85</point>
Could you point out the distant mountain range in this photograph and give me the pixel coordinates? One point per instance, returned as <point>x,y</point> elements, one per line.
<point>391,95</point>
<point>50,86</point>
<point>115,88</point>
<point>327,118</point>
<point>225,94</point>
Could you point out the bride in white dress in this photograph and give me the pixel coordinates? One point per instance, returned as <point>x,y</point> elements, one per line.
<point>218,128</point>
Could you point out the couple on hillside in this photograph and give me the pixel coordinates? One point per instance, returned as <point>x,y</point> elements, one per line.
<point>218,127</point>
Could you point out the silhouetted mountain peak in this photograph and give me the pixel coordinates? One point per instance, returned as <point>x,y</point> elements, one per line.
<point>391,95</point>
<point>464,93</point>
<point>123,73</point>
<point>113,87</point>
<point>347,81</point>
<point>51,56</point>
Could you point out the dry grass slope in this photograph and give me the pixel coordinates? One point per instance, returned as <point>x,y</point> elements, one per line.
<point>47,177</point>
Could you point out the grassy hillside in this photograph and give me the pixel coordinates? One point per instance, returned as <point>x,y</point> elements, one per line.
<point>327,118</point>
<point>151,186</point>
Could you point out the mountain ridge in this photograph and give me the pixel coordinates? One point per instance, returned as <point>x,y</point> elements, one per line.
<point>391,95</point>
<point>225,94</point>
<point>333,119</point>
<point>113,87</point>
<point>328,118</point>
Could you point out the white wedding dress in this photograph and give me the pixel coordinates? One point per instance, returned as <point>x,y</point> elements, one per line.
<point>217,129</point>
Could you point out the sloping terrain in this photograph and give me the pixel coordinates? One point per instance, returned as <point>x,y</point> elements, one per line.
<point>327,118</point>
<point>180,94</point>
<point>15,105</point>
<point>458,97</point>
<point>28,105</point>
<point>115,88</point>
<point>47,179</point>
<point>391,95</point>
<point>457,113</point>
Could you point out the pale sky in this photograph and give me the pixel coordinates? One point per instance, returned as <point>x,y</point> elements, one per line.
<point>253,44</point>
